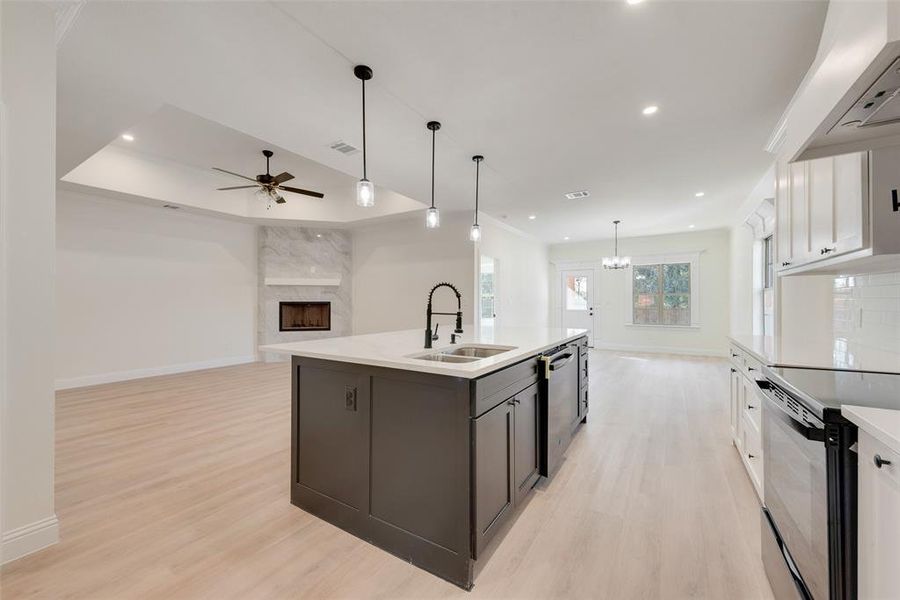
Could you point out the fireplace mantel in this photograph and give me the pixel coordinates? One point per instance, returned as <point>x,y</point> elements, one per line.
<point>331,281</point>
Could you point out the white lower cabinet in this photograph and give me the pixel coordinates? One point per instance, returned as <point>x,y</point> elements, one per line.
<point>745,412</point>
<point>878,520</point>
<point>735,402</point>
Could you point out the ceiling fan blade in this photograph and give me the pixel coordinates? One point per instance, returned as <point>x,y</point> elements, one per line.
<point>279,179</point>
<point>299,191</point>
<point>235,174</point>
<point>237,187</point>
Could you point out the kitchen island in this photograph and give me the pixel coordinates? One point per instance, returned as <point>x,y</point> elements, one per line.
<point>428,453</point>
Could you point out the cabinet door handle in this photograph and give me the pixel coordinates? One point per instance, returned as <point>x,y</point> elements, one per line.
<point>750,407</point>
<point>786,263</point>
<point>827,250</point>
<point>751,455</point>
<point>880,462</point>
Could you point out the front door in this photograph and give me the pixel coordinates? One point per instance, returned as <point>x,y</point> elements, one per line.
<point>578,300</point>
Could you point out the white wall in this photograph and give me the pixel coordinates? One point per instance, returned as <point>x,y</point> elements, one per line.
<point>612,305</point>
<point>143,290</point>
<point>746,268</point>
<point>522,268</point>
<point>396,263</point>
<point>27,203</point>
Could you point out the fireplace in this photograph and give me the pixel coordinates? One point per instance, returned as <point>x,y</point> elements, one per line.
<point>304,316</point>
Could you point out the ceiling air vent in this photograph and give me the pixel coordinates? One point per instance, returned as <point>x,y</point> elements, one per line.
<point>577,195</point>
<point>344,148</point>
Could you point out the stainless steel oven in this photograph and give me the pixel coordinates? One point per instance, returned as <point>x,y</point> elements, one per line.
<point>809,518</point>
<point>796,492</point>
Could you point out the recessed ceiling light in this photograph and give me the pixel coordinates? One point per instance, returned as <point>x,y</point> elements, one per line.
<point>318,235</point>
<point>690,226</point>
<point>700,194</point>
<point>127,137</point>
<point>650,110</point>
<point>566,238</point>
<point>532,217</point>
<point>633,1</point>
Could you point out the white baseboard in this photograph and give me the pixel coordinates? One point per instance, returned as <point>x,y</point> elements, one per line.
<point>30,538</point>
<point>86,380</point>
<point>660,349</point>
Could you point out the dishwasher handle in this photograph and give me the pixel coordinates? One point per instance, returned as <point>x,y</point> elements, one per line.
<point>561,360</point>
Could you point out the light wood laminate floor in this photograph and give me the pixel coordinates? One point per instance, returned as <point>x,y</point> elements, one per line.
<point>176,487</point>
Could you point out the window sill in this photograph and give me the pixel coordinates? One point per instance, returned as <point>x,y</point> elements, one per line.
<point>695,326</point>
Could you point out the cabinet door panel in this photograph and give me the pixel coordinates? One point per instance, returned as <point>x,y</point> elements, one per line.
<point>333,448</point>
<point>879,520</point>
<point>783,215</point>
<point>735,402</point>
<point>821,205</point>
<point>849,201</point>
<point>526,441</point>
<point>799,213</point>
<point>494,431</point>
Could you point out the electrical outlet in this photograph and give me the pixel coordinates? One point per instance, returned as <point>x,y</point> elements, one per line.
<point>350,398</point>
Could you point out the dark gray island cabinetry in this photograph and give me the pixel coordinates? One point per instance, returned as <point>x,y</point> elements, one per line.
<point>426,465</point>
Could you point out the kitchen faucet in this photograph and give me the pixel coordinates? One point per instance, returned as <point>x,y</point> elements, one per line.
<point>429,335</point>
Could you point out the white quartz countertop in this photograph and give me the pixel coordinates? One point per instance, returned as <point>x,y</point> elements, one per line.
<point>825,353</point>
<point>393,349</point>
<point>881,423</point>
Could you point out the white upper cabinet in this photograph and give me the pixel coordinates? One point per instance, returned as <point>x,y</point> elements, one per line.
<point>799,191</point>
<point>825,213</point>
<point>782,215</point>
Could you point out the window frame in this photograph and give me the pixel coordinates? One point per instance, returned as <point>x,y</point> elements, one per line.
<point>692,258</point>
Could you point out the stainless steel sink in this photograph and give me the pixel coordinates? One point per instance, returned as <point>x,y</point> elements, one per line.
<point>448,358</point>
<point>477,351</point>
<point>463,354</point>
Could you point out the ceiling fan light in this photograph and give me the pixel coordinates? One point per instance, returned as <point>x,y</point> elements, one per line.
<point>475,233</point>
<point>365,193</point>
<point>432,218</point>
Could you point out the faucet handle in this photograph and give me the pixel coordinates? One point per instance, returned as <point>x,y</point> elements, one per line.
<point>452,338</point>
<point>434,335</point>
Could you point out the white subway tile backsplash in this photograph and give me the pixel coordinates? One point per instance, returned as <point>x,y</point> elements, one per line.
<point>866,310</point>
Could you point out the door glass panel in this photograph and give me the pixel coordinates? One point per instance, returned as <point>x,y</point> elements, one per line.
<point>576,292</point>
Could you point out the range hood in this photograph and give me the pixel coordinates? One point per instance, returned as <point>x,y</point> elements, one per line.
<point>868,114</point>
<point>879,105</point>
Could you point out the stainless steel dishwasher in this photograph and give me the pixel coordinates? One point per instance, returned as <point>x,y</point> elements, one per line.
<point>559,404</point>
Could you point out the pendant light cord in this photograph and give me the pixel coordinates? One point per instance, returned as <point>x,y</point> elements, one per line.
<point>433,135</point>
<point>617,239</point>
<point>364,127</point>
<point>477,171</point>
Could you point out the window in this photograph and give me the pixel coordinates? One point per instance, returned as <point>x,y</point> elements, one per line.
<point>661,294</point>
<point>768,292</point>
<point>576,292</point>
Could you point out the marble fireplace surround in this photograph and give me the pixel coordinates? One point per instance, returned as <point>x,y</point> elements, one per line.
<point>299,264</point>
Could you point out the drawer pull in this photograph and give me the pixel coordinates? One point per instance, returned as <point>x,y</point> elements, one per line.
<point>751,455</point>
<point>786,263</point>
<point>750,407</point>
<point>880,462</point>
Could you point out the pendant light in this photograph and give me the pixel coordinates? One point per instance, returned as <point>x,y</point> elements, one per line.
<point>432,215</point>
<point>616,262</point>
<point>365,189</point>
<point>475,230</point>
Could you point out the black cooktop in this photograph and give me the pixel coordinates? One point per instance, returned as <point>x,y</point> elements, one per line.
<point>825,390</point>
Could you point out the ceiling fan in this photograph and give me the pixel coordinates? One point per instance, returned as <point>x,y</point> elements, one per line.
<point>269,185</point>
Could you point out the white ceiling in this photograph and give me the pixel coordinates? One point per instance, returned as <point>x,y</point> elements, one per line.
<point>550,92</point>
<point>171,157</point>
